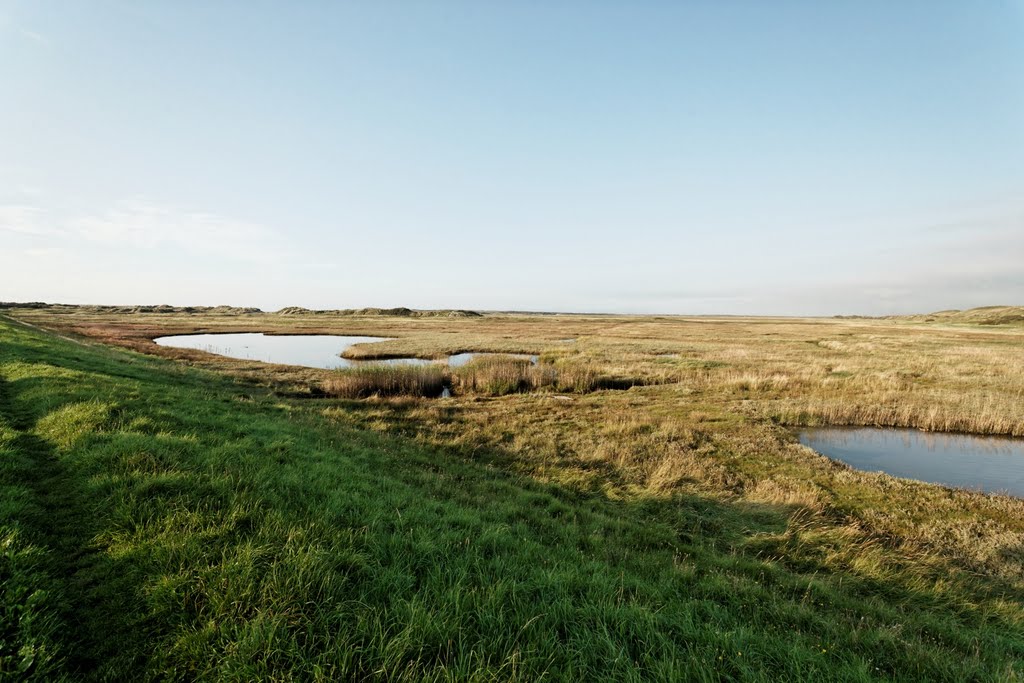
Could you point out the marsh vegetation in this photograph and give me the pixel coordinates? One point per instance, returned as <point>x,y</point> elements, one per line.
<point>484,375</point>
<point>191,519</point>
<point>387,380</point>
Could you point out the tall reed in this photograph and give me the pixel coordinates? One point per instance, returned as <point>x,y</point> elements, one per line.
<point>386,380</point>
<point>484,376</point>
<point>498,376</point>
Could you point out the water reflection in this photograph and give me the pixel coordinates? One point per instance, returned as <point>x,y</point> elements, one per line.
<point>986,463</point>
<point>460,359</point>
<point>309,350</point>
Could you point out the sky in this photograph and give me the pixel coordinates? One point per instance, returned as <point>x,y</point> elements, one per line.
<point>794,158</point>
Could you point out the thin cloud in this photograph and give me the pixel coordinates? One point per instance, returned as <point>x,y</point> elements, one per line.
<point>44,252</point>
<point>976,259</point>
<point>34,36</point>
<point>147,226</point>
<point>29,190</point>
<point>25,220</point>
<point>6,22</point>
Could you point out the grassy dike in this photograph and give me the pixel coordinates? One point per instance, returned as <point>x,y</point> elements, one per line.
<point>167,523</point>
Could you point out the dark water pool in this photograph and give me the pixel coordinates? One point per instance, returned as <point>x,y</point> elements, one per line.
<point>985,463</point>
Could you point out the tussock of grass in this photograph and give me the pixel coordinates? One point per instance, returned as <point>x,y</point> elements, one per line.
<point>386,380</point>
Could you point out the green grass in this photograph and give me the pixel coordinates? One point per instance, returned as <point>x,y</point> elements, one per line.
<point>159,522</point>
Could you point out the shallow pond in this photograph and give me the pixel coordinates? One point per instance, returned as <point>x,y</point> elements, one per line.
<point>309,350</point>
<point>461,359</point>
<point>986,463</point>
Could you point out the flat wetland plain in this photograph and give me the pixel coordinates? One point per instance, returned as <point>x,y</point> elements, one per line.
<point>635,507</point>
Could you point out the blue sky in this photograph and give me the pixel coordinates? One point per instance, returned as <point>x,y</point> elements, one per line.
<point>702,157</point>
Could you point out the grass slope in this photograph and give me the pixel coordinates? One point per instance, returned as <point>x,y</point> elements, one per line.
<point>158,522</point>
<point>984,315</point>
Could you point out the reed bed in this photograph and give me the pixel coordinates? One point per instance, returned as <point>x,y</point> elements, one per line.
<point>386,380</point>
<point>972,416</point>
<point>484,376</point>
<point>496,376</point>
